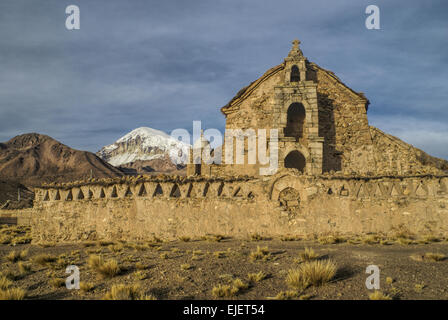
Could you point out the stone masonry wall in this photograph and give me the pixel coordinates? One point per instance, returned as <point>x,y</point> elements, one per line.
<point>284,204</point>
<point>254,112</point>
<point>21,217</point>
<point>343,124</point>
<point>395,157</point>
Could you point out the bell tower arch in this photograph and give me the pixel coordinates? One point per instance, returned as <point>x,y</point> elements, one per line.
<point>296,115</point>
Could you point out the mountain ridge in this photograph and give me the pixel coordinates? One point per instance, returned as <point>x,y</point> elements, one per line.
<point>33,158</point>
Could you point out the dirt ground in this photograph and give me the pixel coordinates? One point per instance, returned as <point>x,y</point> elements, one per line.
<point>191,269</point>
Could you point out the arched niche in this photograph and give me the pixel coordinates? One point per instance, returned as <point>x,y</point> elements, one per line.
<point>295,74</point>
<point>295,121</point>
<point>296,160</point>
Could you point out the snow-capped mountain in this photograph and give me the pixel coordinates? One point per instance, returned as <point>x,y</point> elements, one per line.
<point>142,146</point>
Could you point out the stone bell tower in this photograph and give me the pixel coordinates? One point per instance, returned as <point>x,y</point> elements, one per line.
<point>296,114</point>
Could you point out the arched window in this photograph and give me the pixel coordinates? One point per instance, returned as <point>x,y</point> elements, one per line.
<point>295,121</point>
<point>295,74</point>
<point>296,160</point>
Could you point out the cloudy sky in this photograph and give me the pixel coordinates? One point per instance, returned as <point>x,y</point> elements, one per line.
<point>163,64</point>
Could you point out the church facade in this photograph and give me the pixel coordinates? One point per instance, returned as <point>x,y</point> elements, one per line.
<point>322,126</point>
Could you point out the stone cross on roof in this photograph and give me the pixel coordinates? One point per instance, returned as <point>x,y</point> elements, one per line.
<point>295,44</point>
<point>295,50</point>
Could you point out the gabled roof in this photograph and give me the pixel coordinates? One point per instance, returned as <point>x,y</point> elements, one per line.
<point>335,77</point>
<point>246,91</point>
<point>233,104</point>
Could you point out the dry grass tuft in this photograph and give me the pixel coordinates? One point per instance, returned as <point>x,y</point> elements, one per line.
<point>311,273</point>
<point>184,239</point>
<point>86,286</point>
<point>417,257</point>
<point>296,279</point>
<point>403,236</point>
<point>12,294</point>
<point>107,269</point>
<point>185,266</point>
<point>21,240</point>
<point>240,285</point>
<point>419,288</point>
<point>15,235</point>
<point>24,268</point>
<point>219,254</point>
<point>213,237</point>
<point>288,238</point>
<point>431,256</point>
<point>197,255</point>
<point>319,272</point>
<point>354,241</point>
<point>116,247</point>
<point>5,283</point>
<point>308,254</point>
<point>331,239</point>
<point>429,238</point>
<point>140,275</point>
<point>15,256</point>
<point>256,277</point>
<point>378,295</point>
<point>196,258</point>
<point>404,241</point>
<point>228,291</point>
<point>5,239</point>
<point>43,259</point>
<point>87,244</point>
<point>94,261</point>
<point>164,255</point>
<point>140,266</point>
<point>93,250</point>
<point>8,274</point>
<point>402,232</point>
<point>371,239</point>
<point>60,263</point>
<point>256,237</point>
<point>57,282</point>
<point>75,253</point>
<point>224,291</point>
<point>139,246</point>
<point>23,254</point>
<point>286,295</point>
<point>157,239</point>
<point>260,254</point>
<point>127,292</point>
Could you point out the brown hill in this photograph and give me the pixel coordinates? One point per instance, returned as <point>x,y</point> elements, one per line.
<point>31,159</point>
<point>154,166</point>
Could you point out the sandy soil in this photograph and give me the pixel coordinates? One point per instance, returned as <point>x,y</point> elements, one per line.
<point>190,270</point>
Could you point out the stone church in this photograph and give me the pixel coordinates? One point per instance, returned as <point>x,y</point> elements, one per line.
<point>336,175</point>
<point>322,123</point>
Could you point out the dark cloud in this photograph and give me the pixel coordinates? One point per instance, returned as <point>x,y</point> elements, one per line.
<point>164,64</point>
